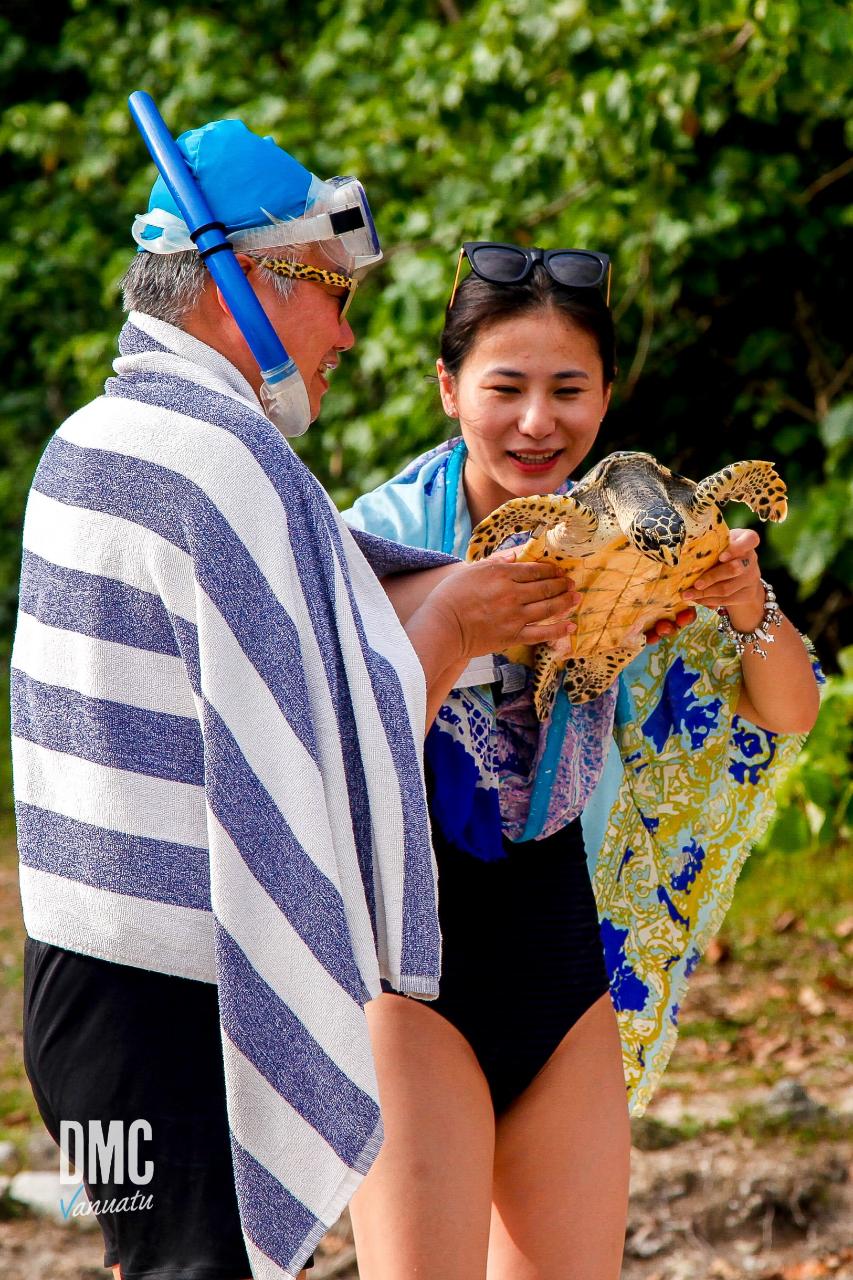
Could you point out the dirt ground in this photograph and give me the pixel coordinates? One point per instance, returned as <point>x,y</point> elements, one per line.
<point>723,1186</point>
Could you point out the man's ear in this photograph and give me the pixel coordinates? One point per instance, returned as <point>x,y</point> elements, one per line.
<point>447,389</point>
<point>248,264</point>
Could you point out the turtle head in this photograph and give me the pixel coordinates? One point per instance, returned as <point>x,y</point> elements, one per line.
<point>658,532</point>
<point>636,488</point>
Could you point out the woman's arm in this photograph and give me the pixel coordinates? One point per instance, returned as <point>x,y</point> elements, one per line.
<point>458,612</point>
<point>779,692</point>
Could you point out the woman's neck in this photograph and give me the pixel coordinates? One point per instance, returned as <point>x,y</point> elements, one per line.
<point>482,494</point>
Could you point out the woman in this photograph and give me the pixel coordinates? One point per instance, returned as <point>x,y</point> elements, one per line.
<point>507,1137</point>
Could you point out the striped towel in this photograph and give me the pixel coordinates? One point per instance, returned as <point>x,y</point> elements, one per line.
<point>217,723</point>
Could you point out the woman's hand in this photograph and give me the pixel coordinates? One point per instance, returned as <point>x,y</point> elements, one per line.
<point>778,692</point>
<point>666,627</point>
<point>734,582</point>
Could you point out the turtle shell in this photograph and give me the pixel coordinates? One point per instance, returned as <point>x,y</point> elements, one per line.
<point>633,536</point>
<point>623,592</point>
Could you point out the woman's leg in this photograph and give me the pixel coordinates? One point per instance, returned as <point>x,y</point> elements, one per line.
<point>424,1208</point>
<point>562,1163</point>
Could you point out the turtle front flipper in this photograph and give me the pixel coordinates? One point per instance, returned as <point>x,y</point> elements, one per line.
<point>755,483</point>
<point>577,522</point>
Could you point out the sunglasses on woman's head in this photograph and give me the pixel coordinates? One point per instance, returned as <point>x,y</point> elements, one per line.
<point>509,264</point>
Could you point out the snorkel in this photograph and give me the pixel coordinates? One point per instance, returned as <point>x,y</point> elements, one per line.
<point>283,394</point>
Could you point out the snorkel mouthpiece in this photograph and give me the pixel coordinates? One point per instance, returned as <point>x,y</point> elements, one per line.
<point>283,394</point>
<point>285,399</point>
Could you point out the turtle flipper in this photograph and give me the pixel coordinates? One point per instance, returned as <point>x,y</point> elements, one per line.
<point>577,523</point>
<point>546,680</point>
<point>756,483</point>
<point>588,676</point>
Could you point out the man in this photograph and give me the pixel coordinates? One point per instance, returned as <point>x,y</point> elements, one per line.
<point>217,721</point>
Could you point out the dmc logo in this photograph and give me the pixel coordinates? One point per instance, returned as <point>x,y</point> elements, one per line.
<point>109,1156</point>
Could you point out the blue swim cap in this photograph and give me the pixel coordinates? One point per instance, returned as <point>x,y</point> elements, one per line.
<point>243,176</point>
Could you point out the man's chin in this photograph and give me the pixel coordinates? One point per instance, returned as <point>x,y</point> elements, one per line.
<point>318,388</point>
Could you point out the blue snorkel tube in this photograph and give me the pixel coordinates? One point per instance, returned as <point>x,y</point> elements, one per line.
<point>283,393</point>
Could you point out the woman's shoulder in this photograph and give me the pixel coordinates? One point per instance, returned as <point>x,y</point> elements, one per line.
<point>401,508</point>
<point>436,456</point>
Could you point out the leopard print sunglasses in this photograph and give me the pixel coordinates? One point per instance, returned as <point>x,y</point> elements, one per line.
<point>314,275</point>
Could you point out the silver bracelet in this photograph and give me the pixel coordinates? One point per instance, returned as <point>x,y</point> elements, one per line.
<point>740,639</point>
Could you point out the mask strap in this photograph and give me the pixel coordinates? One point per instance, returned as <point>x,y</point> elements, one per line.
<point>175,237</point>
<point>282,232</point>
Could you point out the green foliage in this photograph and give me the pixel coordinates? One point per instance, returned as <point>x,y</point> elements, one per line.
<point>816,800</point>
<point>817,537</point>
<point>700,143</point>
<point>753,1120</point>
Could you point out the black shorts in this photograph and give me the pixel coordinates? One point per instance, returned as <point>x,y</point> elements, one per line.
<point>107,1042</point>
<point>522,955</point>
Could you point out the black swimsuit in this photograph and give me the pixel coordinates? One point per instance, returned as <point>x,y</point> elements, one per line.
<point>522,957</point>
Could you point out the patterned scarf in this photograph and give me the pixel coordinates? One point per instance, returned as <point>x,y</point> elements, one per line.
<point>672,801</point>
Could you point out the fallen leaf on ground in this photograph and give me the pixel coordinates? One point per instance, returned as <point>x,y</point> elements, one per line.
<point>794,1064</point>
<point>833,982</point>
<point>764,1050</point>
<point>717,951</point>
<point>784,921</point>
<point>722,1270</point>
<point>809,1000</point>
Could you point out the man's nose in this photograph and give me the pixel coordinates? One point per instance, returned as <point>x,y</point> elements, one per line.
<point>346,337</point>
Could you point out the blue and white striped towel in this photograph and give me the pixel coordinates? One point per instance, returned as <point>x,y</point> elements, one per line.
<point>217,721</point>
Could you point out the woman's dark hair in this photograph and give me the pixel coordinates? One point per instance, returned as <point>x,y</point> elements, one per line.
<point>479,304</point>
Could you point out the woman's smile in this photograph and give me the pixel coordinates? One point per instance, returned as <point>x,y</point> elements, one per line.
<point>535,462</point>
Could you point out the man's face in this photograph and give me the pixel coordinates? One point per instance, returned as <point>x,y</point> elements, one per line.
<point>308,323</point>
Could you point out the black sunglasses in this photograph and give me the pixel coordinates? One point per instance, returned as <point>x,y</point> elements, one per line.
<point>509,264</point>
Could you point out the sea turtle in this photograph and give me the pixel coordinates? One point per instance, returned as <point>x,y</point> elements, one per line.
<point>633,536</point>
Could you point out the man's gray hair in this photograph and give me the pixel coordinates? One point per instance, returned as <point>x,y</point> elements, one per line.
<point>168,286</point>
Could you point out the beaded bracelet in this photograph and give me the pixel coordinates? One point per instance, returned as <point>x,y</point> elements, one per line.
<point>740,639</point>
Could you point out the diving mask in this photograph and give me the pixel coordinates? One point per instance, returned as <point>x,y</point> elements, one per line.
<point>337,215</point>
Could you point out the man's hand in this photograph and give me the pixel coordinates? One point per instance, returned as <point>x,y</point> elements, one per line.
<point>463,611</point>
<point>500,602</point>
